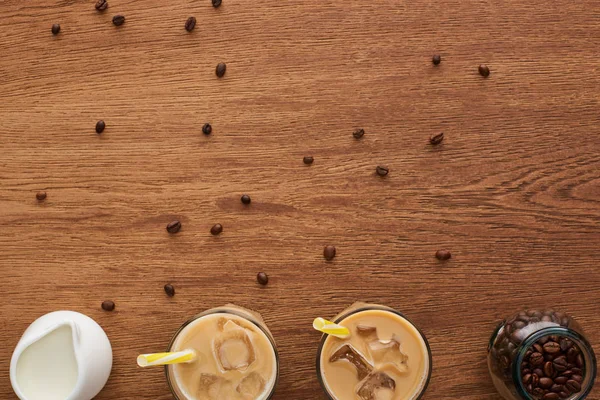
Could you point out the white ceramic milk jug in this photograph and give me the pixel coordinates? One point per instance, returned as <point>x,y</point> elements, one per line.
<point>63,355</point>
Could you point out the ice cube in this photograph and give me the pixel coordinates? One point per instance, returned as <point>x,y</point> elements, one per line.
<point>251,386</point>
<point>348,353</point>
<point>212,387</point>
<point>367,331</point>
<point>233,348</point>
<point>385,352</point>
<point>223,323</point>
<point>376,386</point>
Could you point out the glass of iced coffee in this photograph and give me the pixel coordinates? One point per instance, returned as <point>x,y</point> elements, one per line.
<point>385,356</point>
<point>236,357</point>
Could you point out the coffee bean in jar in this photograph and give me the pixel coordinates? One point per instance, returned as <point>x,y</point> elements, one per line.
<point>541,355</point>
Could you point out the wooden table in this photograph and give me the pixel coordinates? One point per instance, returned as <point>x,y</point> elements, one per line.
<point>513,191</point>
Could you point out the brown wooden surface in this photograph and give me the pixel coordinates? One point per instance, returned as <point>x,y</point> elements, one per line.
<point>513,191</point>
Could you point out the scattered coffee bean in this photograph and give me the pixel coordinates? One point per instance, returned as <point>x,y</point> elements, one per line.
<point>382,171</point>
<point>118,20</point>
<point>207,129</point>
<point>174,226</point>
<point>216,3</point>
<point>190,24</point>
<point>246,199</point>
<point>329,252</point>
<point>358,133</point>
<point>443,255</point>
<point>436,139</point>
<point>100,125</point>
<point>101,5</point>
<point>484,71</point>
<point>108,305</point>
<point>55,29</point>
<point>308,160</point>
<point>41,196</point>
<point>437,59</point>
<point>262,278</point>
<point>216,229</point>
<point>169,290</point>
<point>220,70</point>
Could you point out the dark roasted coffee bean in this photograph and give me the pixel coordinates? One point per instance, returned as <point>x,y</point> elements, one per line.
<point>539,392</point>
<point>552,348</point>
<point>108,305</point>
<point>207,129</point>
<point>100,125</point>
<point>567,373</point>
<point>546,318</point>
<point>308,160</point>
<point>41,196</point>
<point>358,133</point>
<point>573,385</point>
<point>101,5</point>
<point>551,396</point>
<point>190,24</point>
<point>437,59</point>
<point>564,395</point>
<point>560,363</point>
<point>518,324</point>
<point>526,371</point>
<point>538,348</point>
<point>174,226</point>
<point>535,379</point>
<point>118,20</point>
<point>443,255</point>
<point>579,361</point>
<point>536,359</point>
<point>436,139</point>
<point>262,278</point>
<point>526,379</point>
<point>529,388</point>
<point>577,378</point>
<point>577,371</point>
<point>565,344</point>
<point>220,70</point>
<point>329,252</point>
<point>216,229</point>
<point>246,199</point>
<point>557,388</point>
<point>515,337</point>
<point>382,171</point>
<point>548,369</point>
<point>545,383</point>
<point>554,338</point>
<point>543,340</point>
<point>549,357</point>
<point>169,290</point>
<point>216,3</point>
<point>484,71</point>
<point>55,29</point>
<point>538,372</point>
<point>564,321</point>
<point>561,380</point>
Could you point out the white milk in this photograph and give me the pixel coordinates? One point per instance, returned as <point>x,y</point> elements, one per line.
<point>47,370</point>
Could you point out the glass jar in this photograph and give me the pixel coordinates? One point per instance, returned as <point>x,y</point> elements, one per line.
<point>541,355</point>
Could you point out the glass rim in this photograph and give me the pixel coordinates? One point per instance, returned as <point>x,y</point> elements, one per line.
<point>233,311</point>
<point>581,342</point>
<point>369,308</point>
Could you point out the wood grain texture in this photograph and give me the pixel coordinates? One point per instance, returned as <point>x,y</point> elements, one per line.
<point>513,192</point>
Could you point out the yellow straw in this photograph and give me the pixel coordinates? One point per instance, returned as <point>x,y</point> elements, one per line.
<point>328,327</point>
<point>149,360</point>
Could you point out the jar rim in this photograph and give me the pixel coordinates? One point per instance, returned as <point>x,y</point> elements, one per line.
<point>576,337</point>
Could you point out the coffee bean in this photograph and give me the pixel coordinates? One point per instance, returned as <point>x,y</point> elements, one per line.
<point>100,125</point>
<point>484,71</point>
<point>436,139</point>
<point>538,348</point>
<point>437,59</point>
<point>308,160</point>
<point>101,5</point>
<point>207,129</point>
<point>552,348</point>
<point>329,252</point>
<point>564,395</point>
<point>108,305</point>
<point>527,378</point>
<point>382,171</point>
<point>577,371</point>
<point>546,318</point>
<point>565,344</point>
<point>551,396</point>
<point>246,199</point>
<point>518,324</point>
<point>190,24</point>
<point>443,255</point>
<point>560,363</point>
<point>358,133</point>
<point>579,361</point>
<point>216,229</point>
<point>561,380</point>
<point>55,29</point>
<point>549,357</point>
<point>41,196</point>
<point>216,3</point>
<point>174,226</point>
<point>567,373</point>
<point>545,383</point>
<point>169,290</point>
<point>538,372</point>
<point>118,20</point>
<point>220,70</point>
<point>554,338</point>
<point>548,369</point>
<point>536,359</point>
<point>538,392</point>
<point>564,322</point>
<point>262,278</point>
<point>577,378</point>
<point>557,388</point>
<point>535,379</point>
<point>573,385</point>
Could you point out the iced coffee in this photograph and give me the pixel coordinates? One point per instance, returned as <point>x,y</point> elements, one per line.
<point>385,357</point>
<point>236,357</point>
